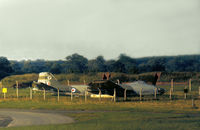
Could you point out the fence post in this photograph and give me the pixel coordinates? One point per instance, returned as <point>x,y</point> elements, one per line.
<point>44,94</point>
<point>155,93</point>
<point>114,95</point>
<point>68,82</point>
<point>4,92</point>
<point>125,94</point>
<point>140,94</point>
<point>4,95</point>
<point>86,95</point>
<point>17,92</point>
<point>58,95</point>
<point>31,95</point>
<point>1,85</point>
<point>99,94</point>
<point>193,104</point>
<point>84,82</point>
<point>170,94</point>
<point>71,96</point>
<point>190,85</point>
<point>185,96</point>
<point>172,85</point>
<point>199,91</point>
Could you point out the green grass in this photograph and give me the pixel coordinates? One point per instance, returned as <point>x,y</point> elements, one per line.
<point>105,114</point>
<point>125,120</point>
<point>176,114</point>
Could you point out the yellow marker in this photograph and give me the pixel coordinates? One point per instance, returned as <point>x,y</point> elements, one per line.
<point>4,90</point>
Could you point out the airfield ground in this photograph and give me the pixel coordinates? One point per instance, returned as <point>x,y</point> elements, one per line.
<point>149,113</point>
<point>175,114</point>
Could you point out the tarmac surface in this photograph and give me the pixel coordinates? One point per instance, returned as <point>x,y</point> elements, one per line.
<point>18,117</point>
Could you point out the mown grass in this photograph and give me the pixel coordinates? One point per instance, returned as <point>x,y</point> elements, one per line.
<point>145,115</point>
<point>128,120</point>
<point>105,114</point>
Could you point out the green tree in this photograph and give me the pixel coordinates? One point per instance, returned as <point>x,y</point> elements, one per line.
<point>27,67</point>
<point>55,68</point>
<point>157,64</point>
<point>76,63</point>
<point>129,63</point>
<point>110,65</point>
<point>5,67</point>
<point>97,65</point>
<point>118,67</point>
<point>16,67</point>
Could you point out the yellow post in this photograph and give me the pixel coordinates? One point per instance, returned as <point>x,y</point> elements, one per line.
<point>4,90</point>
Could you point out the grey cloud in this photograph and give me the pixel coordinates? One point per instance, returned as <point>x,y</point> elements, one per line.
<point>52,29</point>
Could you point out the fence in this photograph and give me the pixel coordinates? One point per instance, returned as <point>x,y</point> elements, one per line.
<point>174,91</point>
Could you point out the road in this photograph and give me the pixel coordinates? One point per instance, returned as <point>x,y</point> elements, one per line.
<point>14,117</point>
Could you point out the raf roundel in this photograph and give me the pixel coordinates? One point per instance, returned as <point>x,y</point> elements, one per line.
<point>49,77</point>
<point>73,90</point>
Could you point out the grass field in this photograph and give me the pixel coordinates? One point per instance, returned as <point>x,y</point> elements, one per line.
<point>105,114</point>
<point>149,113</point>
<point>126,120</point>
<point>120,115</point>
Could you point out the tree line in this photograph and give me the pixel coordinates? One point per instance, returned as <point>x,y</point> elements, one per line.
<point>77,63</point>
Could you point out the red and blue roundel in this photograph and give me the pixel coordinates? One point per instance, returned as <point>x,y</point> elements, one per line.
<point>73,90</point>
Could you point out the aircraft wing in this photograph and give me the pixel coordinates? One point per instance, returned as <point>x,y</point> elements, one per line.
<point>61,87</point>
<point>106,87</point>
<point>42,86</point>
<point>146,89</point>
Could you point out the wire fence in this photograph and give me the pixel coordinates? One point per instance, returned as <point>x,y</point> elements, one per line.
<point>174,91</point>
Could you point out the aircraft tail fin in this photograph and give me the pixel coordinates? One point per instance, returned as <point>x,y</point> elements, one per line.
<point>106,87</point>
<point>155,79</point>
<point>50,80</point>
<point>46,78</point>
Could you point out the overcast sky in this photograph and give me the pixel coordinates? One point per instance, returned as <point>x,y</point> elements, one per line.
<point>54,29</point>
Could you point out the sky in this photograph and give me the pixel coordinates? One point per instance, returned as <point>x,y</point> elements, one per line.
<point>54,29</point>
